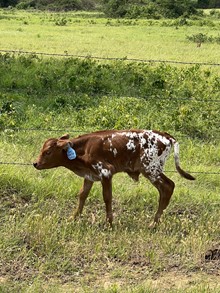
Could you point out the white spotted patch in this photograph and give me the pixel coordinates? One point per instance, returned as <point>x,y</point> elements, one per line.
<point>152,162</point>
<point>102,171</point>
<point>147,140</point>
<point>131,135</point>
<point>130,145</point>
<point>110,141</point>
<point>115,152</point>
<point>106,173</point>
<point>111,148</point>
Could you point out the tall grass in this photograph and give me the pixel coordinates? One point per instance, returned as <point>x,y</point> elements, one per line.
<point>165,97</point>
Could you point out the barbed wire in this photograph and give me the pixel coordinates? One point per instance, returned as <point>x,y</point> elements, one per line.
<point>158,98</point>
<point>86,131</point>
<point>83,131</point>
<point>16,163</point>
<point>109,58</point>
<point>166,171</point>
<point>45,130</point>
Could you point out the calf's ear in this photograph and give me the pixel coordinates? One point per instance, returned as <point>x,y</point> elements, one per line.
<point>66,145</point>
<point>65,136</point>
<point>63,144</point>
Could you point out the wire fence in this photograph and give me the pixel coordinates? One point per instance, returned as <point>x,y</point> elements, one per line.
<point>109,58</point>
<point>25,164</point>
<point>66,130</point>
<point>158,98</point>
<point>166,171</point>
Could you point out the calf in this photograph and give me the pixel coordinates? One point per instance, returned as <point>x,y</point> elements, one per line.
<point>99,155</point>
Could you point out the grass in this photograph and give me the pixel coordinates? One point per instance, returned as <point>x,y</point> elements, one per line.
<point>156,40</point>
<point>39,243</point>
<point>41,250</point>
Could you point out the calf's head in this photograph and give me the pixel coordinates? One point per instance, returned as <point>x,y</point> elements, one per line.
<point>54,153</point>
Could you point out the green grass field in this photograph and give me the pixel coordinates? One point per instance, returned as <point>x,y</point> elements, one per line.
<point>41,249</point>
<point>142,39</point>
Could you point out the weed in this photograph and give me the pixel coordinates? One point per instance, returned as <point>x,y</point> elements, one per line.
<point>61,22</point>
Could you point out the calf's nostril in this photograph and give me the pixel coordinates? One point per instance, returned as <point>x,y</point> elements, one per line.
<point>35,165</point>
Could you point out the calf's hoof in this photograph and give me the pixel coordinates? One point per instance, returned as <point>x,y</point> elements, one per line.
<point>153,225</point>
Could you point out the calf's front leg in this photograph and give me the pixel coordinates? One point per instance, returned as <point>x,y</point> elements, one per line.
<point>84,192</point>
<point>107,196</point>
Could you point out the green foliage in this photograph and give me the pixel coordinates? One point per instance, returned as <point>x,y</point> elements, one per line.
<point>61,21</point>
<point>203,38</point>
<point>57,5</point>
<point>149,9</point>
<point>26,4</point>
<point>215,13</point>
<point>11,112</point>
<point>115,8</point>
<point>8,3</point>
<point>208,4</point>
<point>160,96</point>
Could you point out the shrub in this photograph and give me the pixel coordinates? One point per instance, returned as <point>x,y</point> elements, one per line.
<point>11,112</point>
<point>215,13</point>
<point>198,38</point>
<point>113,94</point>
<point>61,21</point>
<point>149,9</point>
<point>203,38</point>
<point>26,4</point>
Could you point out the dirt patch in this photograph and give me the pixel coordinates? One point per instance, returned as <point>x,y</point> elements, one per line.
<point>169,281</point>
<point>176,281</point>
<point>124,278</point>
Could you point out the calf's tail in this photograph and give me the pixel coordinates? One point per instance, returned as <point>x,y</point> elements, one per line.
<point>177,162</point>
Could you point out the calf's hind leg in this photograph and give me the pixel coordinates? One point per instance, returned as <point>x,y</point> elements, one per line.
<point>165,186</point>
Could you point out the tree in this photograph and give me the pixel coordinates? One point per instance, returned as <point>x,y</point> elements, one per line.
<point>115,8</point>
<point>6,3</point>
<point>176,8</point>
<point>214,4</point>
<point>165,8</point>
<point>203,4</point>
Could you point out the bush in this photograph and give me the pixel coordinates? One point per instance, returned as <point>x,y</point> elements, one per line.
<point>8,3</point>
<point>114,94</point>
<point>57,5</point>
<point>148,9</point>
<point>11,112</point>
<point>26,4</point>
<point>215,13</point>
<point>61,21</point>
<point>203,38</point>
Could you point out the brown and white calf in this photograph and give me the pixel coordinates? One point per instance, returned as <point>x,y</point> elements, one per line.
<point>99,155</point>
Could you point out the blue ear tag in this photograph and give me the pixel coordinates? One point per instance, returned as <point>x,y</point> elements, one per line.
<point>71,154</point>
